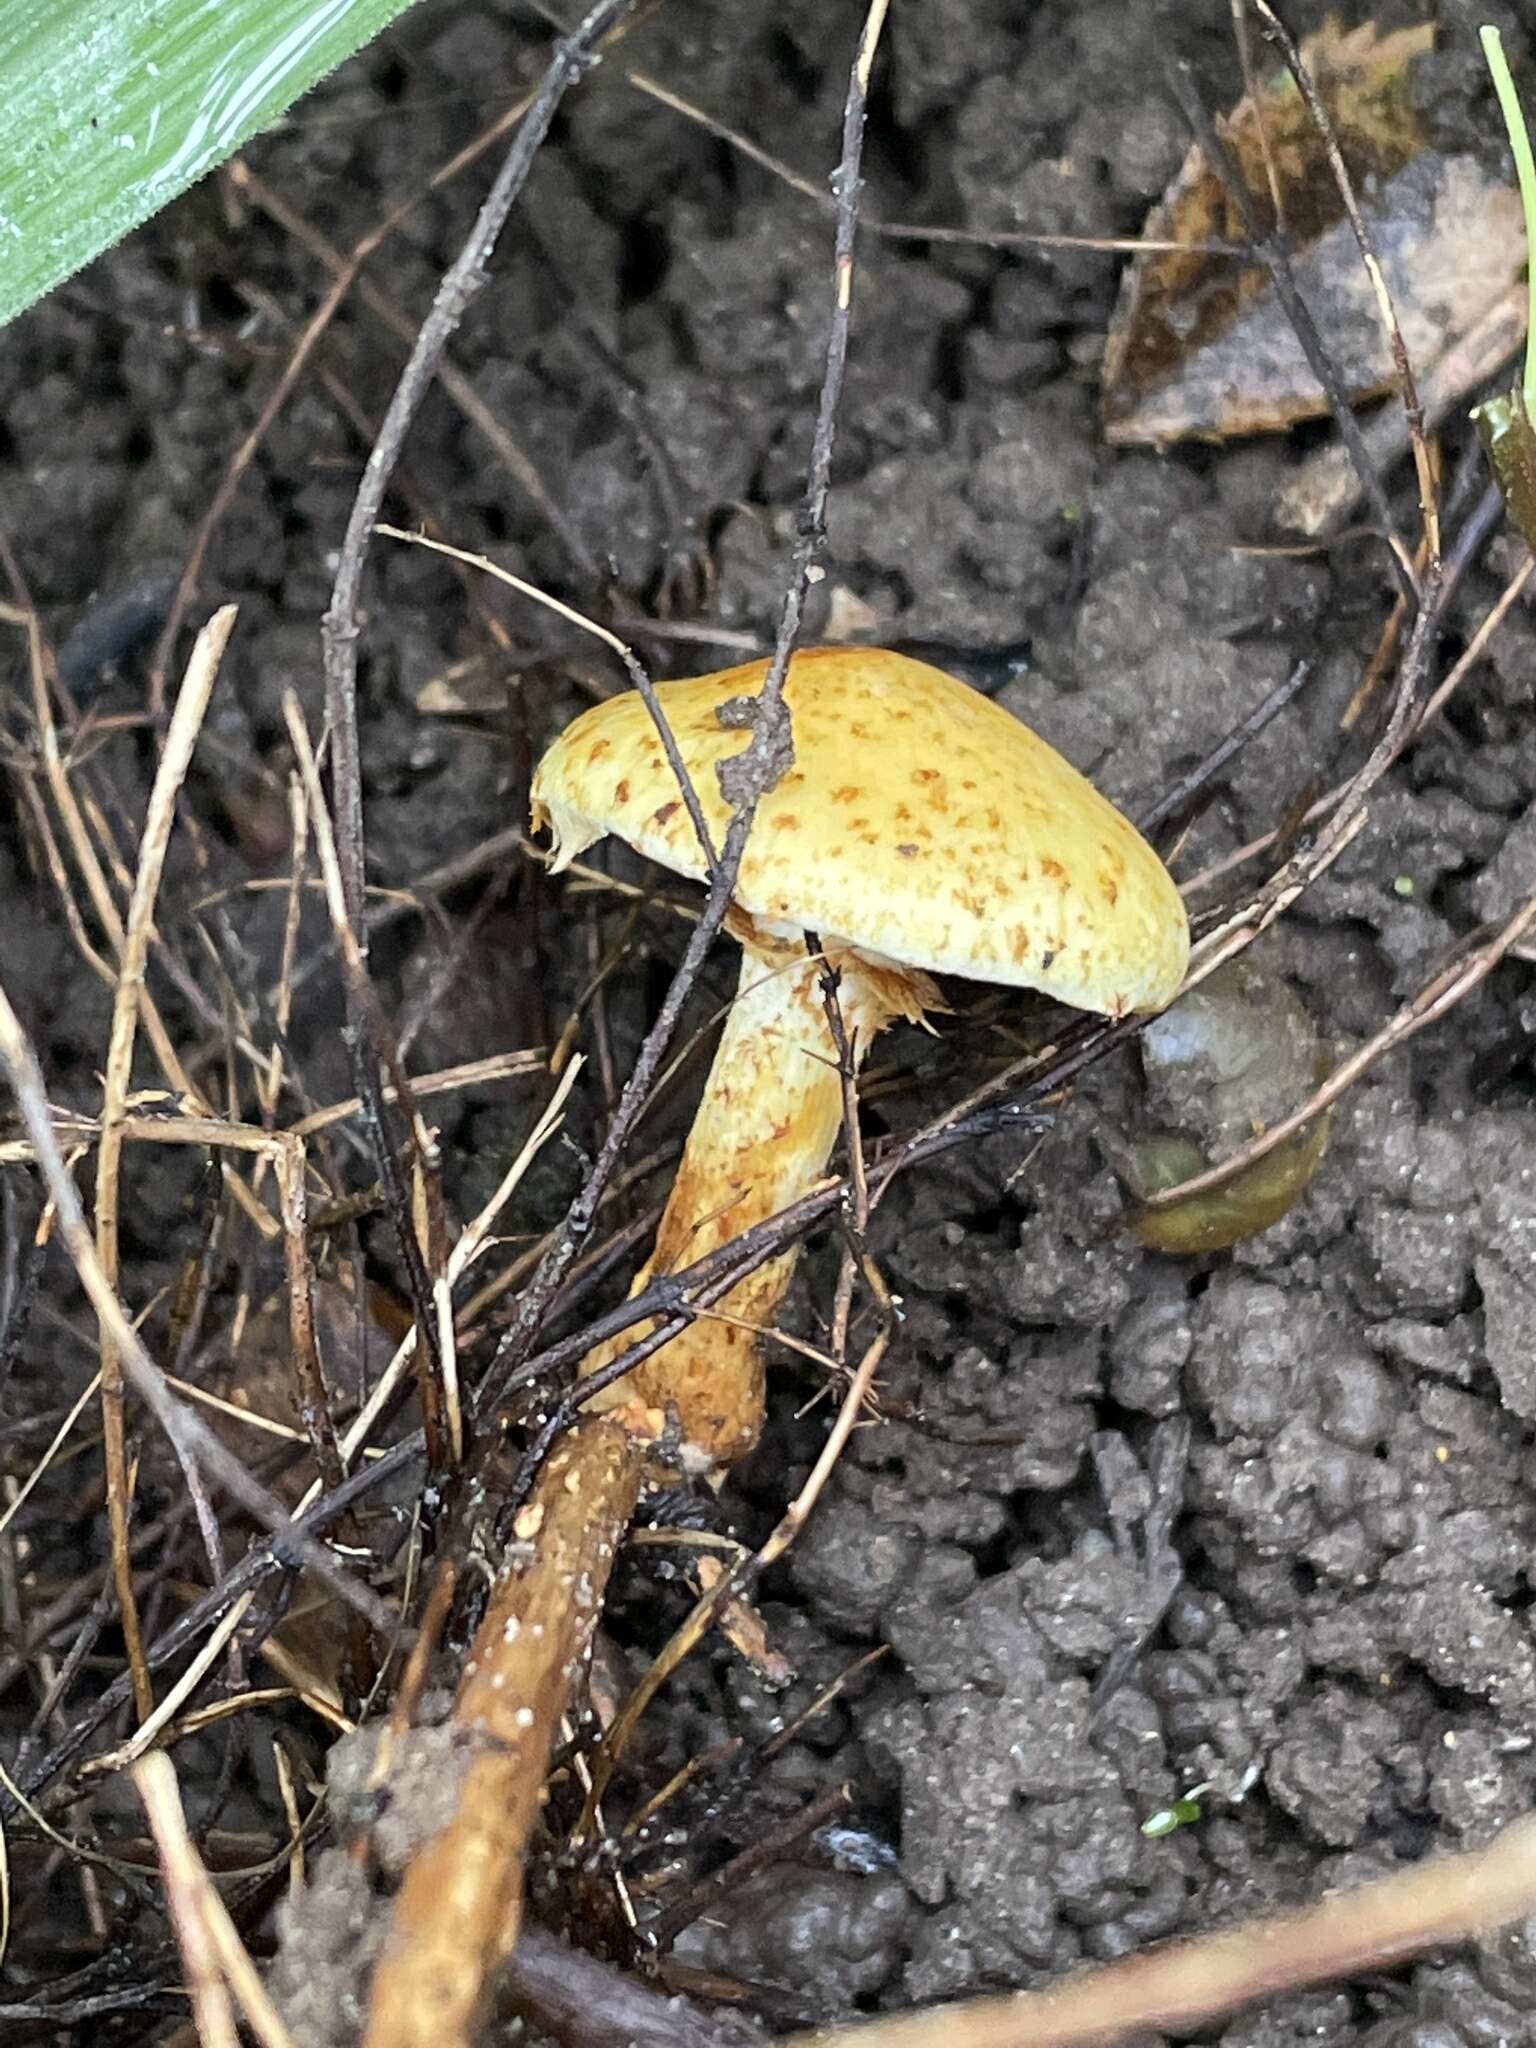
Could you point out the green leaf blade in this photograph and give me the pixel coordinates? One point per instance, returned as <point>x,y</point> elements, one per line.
<point>115,107</point>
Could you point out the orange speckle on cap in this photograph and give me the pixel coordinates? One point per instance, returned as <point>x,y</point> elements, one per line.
<point>963,833</point>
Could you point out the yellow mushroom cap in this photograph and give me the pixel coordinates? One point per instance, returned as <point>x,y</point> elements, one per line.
<point>919,821</point>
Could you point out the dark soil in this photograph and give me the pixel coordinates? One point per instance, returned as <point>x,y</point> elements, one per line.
<point>1301,1469</point>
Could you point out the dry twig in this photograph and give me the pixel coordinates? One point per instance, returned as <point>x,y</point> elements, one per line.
<point>1443,1899</point>
<point>186,723</point>
<point>217,1959</point>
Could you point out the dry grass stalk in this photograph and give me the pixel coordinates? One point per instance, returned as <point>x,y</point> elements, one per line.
<point>186,1901</point>
<point>217,1960</point>
<point>1443,1899</point>
<point>439,1408</point>
<point>197,1447</point>
<point>175,759</point>
<point>1439,995</point>
<point>99,890</point>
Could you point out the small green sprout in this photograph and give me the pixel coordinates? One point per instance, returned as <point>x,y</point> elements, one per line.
<point>1403,885</point>
<point>1525,171</point>
<point>1178,1814</point>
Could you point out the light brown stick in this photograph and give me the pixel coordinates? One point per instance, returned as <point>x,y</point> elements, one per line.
<point>457,1914</point>
<point>1445,1898</point>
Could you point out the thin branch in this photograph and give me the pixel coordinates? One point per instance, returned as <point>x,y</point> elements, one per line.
<point>455,383</point>
<point>1271,251</point>
<point>1408,393</point>
<point>1432,1002</point>
<point>746,778</point>
<point>468,273</point>
<point>636,670</point>
<point>361,1001</point>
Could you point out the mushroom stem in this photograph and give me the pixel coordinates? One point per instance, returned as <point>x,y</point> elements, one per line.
<point>763,1134</point>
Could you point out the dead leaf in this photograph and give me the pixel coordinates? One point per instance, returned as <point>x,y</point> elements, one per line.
<point>1200,345</point>
<point>1326,487</point>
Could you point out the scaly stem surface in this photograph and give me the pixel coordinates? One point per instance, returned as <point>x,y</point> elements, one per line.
<point>763,1135</point>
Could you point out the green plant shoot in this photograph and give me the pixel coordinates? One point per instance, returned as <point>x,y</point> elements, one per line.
<point>1507,425</point>
<point>1525,171</point>
<point>114,107</point>
<point>1179,1813</point>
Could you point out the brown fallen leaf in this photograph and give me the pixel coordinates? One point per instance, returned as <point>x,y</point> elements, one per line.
<point>1326,487</point>
<point>1200,345</point>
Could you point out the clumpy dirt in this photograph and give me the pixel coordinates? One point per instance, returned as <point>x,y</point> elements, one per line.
<point>1258,1522</point>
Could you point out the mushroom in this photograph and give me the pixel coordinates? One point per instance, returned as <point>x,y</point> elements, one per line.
<point>921,830</point>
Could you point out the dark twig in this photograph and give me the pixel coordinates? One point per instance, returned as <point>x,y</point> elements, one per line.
<point>634,668</point>
<point>1173,805</point>
<point>275,1557</point>
<point>1271,252</point>
<point>1408,391</point>
<point>375,1036</point>
<point>455,383</point>
<point>465,276</point>
<point>746,778</point>
<point>583,2002</point>
<point>762,1854</point>
<point>344,271</point>
<point>25,1270</point>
